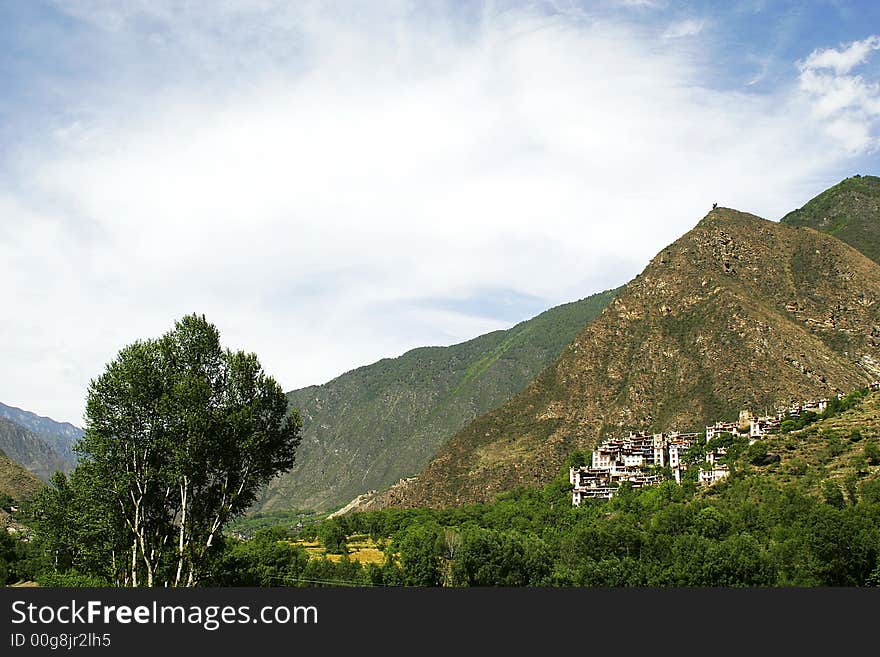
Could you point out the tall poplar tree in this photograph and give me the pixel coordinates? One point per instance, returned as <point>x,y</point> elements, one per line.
<point>180,436</point>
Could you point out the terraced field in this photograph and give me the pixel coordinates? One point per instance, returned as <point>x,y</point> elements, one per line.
<point>361,548</point>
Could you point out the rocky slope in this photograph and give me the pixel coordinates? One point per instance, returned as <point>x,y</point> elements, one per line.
<point>33,451</point>
<point>16,481</point>
<point>62,436</point>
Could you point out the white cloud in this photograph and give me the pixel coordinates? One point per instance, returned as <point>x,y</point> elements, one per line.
<point>685,28</point>
<point>847,104</point>
<point>308,179</point>
<point>844,59</point>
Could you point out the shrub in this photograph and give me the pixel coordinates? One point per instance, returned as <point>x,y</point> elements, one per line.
<point>872,453</point>
<point>70,579</point>
<point>797,467</point>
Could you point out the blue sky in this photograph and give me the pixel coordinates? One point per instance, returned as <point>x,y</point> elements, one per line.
<point>334,183</point>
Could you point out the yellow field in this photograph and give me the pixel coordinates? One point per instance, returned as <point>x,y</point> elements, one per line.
<point>361,548</point>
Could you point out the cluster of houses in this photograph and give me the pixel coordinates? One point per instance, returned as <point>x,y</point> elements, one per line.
<point>627,459</point>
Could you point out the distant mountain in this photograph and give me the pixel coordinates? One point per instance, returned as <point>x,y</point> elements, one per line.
<point>62,436</point>
<point>738,313</point>
<point>34,451</point>
<point>16,481</point>
<point>369,427</point>
<point>850,211</point>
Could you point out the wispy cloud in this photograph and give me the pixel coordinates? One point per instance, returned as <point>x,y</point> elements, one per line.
<point>685,28</point>
<point>846,103</point>
<point>844,59</point>
<point>336,185</point>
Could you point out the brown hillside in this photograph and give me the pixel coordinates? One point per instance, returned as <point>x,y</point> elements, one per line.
<point>16,481</point>
<point>738,313</point>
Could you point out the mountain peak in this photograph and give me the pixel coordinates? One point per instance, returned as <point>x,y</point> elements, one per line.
<point>740,312</point>
<point>721,215</point>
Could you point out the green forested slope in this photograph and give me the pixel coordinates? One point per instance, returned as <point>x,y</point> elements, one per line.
<point>850,211</point>
<point>376,424</point>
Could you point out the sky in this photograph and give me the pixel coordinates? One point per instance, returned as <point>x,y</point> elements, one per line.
<point>335,183</point>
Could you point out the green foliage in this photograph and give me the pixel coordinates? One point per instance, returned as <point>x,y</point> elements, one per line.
<point>869,491</point>
<point>181,435</point>
<point>21,560</point>
<point>798,422</point>
<point>293,520</point>
<point>696,453</point>
<point>833,495</point>
<point>71,579</point>
<point>421,548</point>
<point>332,534</point>
<point>758,454</point>
<point>268,559</point>
<point>797,467</point>
<point>494,558</point>
<point>838,405</point>
<point>78,527</point>
<point>711,523</point>
<point>753,532</point>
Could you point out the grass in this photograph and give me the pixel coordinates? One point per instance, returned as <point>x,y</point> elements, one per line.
<point>477,368</point>
<point>827,449</point>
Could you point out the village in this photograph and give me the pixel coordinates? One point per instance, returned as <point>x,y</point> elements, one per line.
<point>635,458</point>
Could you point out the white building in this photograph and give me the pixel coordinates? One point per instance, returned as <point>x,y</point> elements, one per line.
<point>721,427</point>
<point>633,460</point>
<point>676,454</point>
<point>709,476</point>
<point>620,460</point>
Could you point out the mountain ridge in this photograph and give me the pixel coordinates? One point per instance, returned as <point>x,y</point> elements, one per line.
<point>32,451</point>
<point>371,426</point>
<point>62,436</point>
<point>739,312</point>
<point>850,211</point>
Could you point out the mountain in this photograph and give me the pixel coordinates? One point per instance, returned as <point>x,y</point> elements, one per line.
<point>60,435</point>
<point>16,481</point>
<point>850,211</point>
<point>738,313</point>
<point>369,427</point>
<point>34,451</point>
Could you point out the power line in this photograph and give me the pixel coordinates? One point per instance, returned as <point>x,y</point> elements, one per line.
<point>331,582</point>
